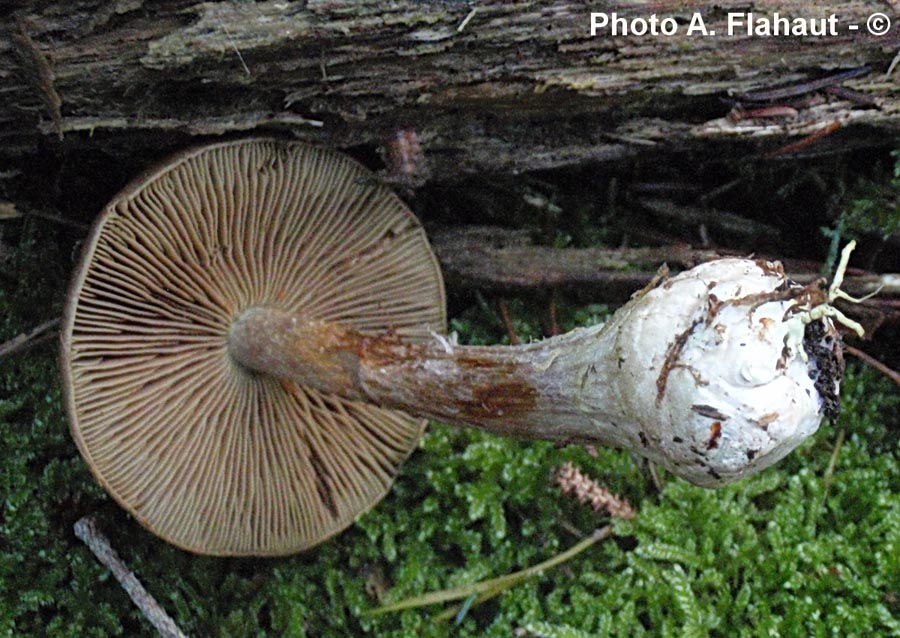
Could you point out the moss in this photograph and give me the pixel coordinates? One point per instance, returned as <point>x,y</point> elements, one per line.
<point>787,552</point>
<point>871,206</point>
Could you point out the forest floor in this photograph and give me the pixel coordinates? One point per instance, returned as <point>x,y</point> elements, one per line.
<point>810,547</point>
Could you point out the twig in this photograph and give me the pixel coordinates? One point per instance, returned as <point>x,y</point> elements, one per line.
<point>803,88</point>
<point>828,129</point>
<point>832,464</point>
<point>775,111</point>
<point>719,190</point>
<point>236,50</point>
<point>892,66</point>
<point>507,322</point>
<point>569,527</point>
<point>654,476</point>
<point>718,221</point>
<point>857,97</point>
<point>39,73</point>
<point>202,126</point>
<point>551,315</point>
<point>501,261</point>
<point>891,374</point>
<point>88,531</point>
<point>462,25</point>
<point>28,339</point>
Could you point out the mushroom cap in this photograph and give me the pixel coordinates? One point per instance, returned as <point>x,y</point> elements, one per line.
<point>207,454</point>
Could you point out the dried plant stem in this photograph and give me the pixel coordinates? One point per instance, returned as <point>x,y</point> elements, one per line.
<point>488,589</point>
<point>654,476</point>
<point>27,339</point>
<point>88,531</point>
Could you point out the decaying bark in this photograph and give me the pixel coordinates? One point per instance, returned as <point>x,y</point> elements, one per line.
<point>498,86</point>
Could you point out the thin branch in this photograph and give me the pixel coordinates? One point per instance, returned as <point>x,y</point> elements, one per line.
<point>201,126</point>
<point>28,339</point>
<point>508,324</point>
<point>89,532</point>
<point>551,317</point>
<point>799,145</point>
<point>718,222</point>
<point>832,464</point>
<point>891,374</point>
<point>502,261</point>
<point>803,88</point>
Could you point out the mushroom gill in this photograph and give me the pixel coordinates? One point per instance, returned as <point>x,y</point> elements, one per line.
<point>206,453</point>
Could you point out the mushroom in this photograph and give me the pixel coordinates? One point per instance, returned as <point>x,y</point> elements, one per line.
<point>253,322</point>
<point>209,455</point>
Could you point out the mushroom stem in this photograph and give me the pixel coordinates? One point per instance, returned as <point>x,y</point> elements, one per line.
<point>534,391</point>
<point>714,373</point>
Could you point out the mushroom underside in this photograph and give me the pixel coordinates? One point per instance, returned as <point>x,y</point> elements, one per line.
<point>213,457</point>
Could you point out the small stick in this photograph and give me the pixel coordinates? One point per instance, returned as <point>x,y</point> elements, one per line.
<point>811,86</point>
<point>857,97</point>
<point>28,339</point>
<point>720,190</point>
<point>892,66</point>
<point>462,25</point>
<point>40,74</point>
<point>828,129</point>
<point>507,322</point>
<point>893,375</point>
<point>236,50</point>
<point>87,530</point>
<point>738,113</point>
<point>654,476</point>
<point>832,464</point>
<point>551,311</point>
